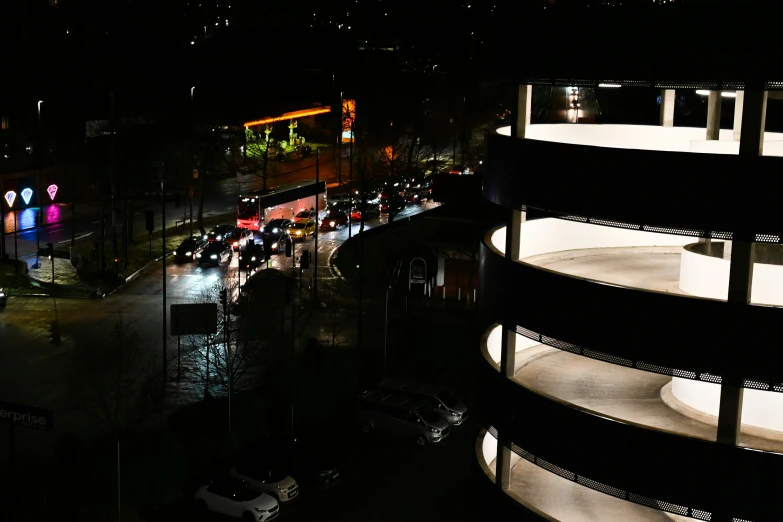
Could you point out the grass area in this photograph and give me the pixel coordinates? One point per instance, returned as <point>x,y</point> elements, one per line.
<point>13,283</point>
<point>138,253</point>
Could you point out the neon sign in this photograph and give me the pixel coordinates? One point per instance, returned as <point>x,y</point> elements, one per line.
<point>26,195</point>
<point>10,197</point>
<point>52,191</point>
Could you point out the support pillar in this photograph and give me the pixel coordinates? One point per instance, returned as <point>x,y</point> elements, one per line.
<point>521,117</point>
<point>713,115</point>
<point>508,337</point>
<point>503,464</point>
<point>440,275</point>
<point>739,102</point>
<point>731,390</point>
<point>754,119</point>
<point>667,107</point>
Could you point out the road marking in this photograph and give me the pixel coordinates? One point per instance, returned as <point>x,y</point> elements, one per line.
<point>76,238</point>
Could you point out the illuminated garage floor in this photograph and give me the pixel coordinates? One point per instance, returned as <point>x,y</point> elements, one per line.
<point>629,395</point>
<point>624,393</point>
<point>562,500</point>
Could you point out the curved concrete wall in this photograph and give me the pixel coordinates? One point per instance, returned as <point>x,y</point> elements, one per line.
<point>705,276</point>
<point>549,235</point>
<point>489,449</point>
<point>645,137</point>
<point>494,340</point>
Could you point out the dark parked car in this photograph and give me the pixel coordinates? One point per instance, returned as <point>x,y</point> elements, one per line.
<point>189,249</point>
<point>334,219</point>
<point>3,297</point>
<point>220,233</point>
<point>274,233</point>
<point>252,256</point>
<point>309,461</point>
<point>215,253</point>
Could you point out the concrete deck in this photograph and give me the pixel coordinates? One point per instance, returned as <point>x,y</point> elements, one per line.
<point>626,394</point>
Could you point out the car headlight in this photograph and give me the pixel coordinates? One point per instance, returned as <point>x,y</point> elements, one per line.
<point>253,258</point>
<point>298,232</point>
<point>188,253</point>
<point>198,255</point>
<point>206,236</point>
<point>331,223</point>
<point>274,245</point>
<point>434,430</point>
<point>260,510</point>
<point>213,256</point>
<point>275,230</point>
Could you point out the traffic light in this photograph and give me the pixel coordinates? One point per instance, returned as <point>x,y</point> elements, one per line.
<point>54,333</point>
<point>49,250</point>
<point>304,260</point>
<point>289,248</point>
<point>223,298</point>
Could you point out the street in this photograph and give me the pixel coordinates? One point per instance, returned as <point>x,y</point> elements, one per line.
<point>220,197</point>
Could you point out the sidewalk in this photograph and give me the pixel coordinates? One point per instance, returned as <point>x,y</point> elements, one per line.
<point>64,272</point>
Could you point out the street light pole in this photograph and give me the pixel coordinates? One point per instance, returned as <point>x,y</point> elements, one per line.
<point>163,248</point>
<point>190,190</point>
<point>317,181</point>
<point>38,216</point>
<point>350,183</point>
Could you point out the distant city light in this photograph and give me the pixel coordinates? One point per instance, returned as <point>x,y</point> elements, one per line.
<point>52,191</point>
<point>10,197</point>
<point>27,194</point>
<point>609,85</point>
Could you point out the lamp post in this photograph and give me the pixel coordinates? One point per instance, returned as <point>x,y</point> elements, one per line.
<point>38,216</point>
<point>192,133</point>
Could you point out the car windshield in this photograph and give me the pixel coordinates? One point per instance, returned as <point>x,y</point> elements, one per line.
<point>214,247</point>
<point>300,224</point>
<point>265,474</point>
<point>429,416</point>
<point>449,399</point>
<point>303,214</point>
<point>187,244</point>
<point>275,223</point>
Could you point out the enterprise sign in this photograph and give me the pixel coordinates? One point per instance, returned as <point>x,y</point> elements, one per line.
<point>26,416</point>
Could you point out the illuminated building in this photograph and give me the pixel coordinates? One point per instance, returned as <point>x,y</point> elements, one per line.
<point>631,368</point>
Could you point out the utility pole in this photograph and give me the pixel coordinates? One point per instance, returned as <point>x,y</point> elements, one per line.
<point>350,183</point>
<point>39,214</point>
<point>163,248</point>
<point>192,135</point>
<point>361,258</point>
<point>317,181</point>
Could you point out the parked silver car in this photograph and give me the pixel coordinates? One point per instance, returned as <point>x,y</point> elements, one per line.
<point>445,403</point>
<point>408,417</point>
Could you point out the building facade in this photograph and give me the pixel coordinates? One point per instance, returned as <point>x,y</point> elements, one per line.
<point>631,365</point>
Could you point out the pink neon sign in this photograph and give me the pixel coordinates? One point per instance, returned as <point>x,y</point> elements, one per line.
<point>52,191</point>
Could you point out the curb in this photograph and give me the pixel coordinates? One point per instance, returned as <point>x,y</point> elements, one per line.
<point>135,275</point>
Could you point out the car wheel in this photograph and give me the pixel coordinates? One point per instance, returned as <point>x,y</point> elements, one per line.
<point>247,516</point>
<point>421,440</point>
<point>366,428</point>
<point>201,505</point>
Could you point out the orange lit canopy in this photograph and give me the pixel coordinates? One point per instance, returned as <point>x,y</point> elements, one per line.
<point>290,116</point>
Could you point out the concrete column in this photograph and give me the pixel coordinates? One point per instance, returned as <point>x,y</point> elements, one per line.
<point>713,115</point>
<point>508,337</point>
<point>754,119</point>
<point>731,390</point>
<point>667,107</point>
<point>503,464</point>
<point>521,116</point>
<point>739,101</point>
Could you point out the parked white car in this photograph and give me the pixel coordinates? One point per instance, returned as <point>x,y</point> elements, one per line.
<point>236,498</point>
<point>266,478</point>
